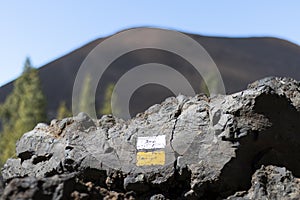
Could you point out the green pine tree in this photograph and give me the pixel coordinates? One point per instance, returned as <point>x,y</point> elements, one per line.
<point>212,82</point>
<point>106,108</point>
<point>86,103</point>
<point>22,110</point>
<point>63,111</point>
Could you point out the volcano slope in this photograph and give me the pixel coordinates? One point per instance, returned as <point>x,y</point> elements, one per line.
<point>240,61</point>
<point>240,146</point>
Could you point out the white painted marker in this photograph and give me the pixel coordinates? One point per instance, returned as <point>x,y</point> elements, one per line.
<point>152,142</point>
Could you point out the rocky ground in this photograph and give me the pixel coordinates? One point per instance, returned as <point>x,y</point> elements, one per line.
<point>240,146</point>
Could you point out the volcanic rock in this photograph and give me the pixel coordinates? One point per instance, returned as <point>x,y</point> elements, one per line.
<point>184,148</point>
<point>271,183</point>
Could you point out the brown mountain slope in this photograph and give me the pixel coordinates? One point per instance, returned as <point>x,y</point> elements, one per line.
<point>240,61</point>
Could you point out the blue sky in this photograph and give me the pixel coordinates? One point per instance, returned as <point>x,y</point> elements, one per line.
<point>48,29</point>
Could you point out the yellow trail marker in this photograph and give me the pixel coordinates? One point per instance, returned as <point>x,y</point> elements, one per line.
<point>150,158</point>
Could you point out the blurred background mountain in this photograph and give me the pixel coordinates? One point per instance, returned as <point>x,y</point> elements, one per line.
<point>240,61</point>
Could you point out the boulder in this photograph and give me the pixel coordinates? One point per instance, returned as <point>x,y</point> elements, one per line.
<point>271,182</point>
<point>184,148</point>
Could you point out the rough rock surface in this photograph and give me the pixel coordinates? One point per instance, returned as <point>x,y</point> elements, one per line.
<point>1,185</point>
<point>212,147</point>
<point>271,183</point>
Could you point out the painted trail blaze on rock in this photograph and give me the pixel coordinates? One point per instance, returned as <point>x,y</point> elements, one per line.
<point>150,158</point>
<point>151,150</point>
